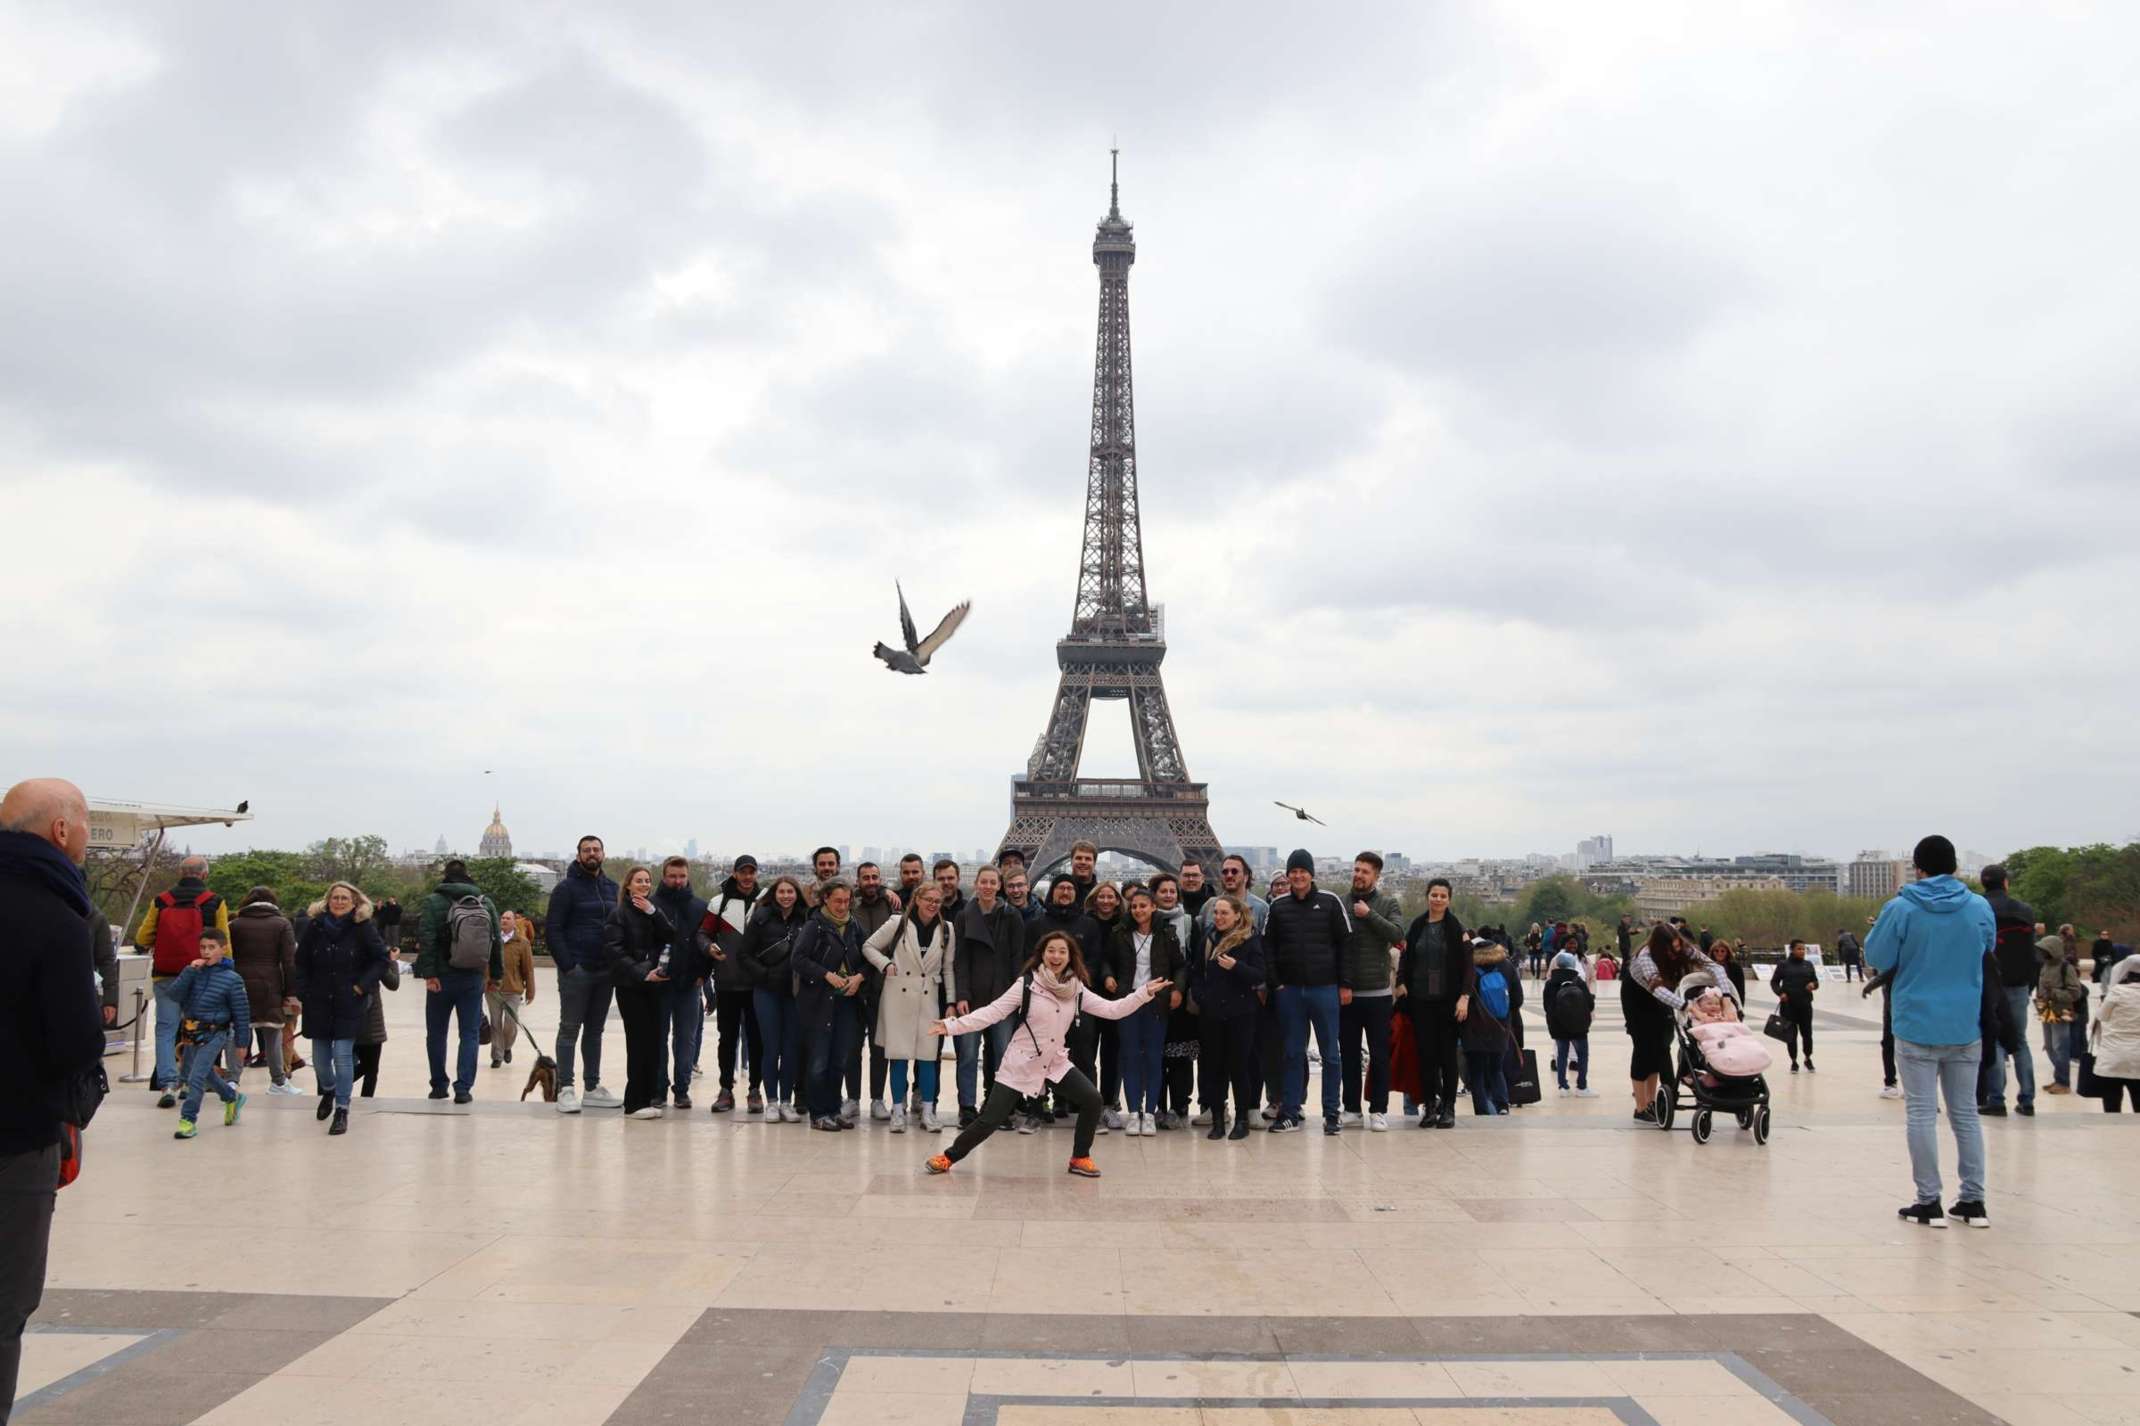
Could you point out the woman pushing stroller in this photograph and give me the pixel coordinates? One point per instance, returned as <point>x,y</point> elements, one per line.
<point>1046,1000</point>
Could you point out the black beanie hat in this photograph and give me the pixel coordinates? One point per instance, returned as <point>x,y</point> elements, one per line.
<point>1300,861</point>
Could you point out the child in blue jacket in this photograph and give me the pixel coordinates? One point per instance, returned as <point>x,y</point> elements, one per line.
<point>217,1014</point>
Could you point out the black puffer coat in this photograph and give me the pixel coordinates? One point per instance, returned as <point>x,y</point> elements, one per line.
<point>338,964</point>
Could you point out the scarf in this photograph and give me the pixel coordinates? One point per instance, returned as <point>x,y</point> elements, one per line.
<point>839,922</point>
<point>1233,939</point>
<point>27,855</point>
<point>1064,987</point>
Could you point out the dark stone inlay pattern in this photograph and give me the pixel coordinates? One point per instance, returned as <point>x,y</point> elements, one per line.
<point>793,1359</point>
<point>214,1346</point>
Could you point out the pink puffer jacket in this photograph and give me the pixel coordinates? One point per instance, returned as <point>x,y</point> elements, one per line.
<point>1037,1056</point>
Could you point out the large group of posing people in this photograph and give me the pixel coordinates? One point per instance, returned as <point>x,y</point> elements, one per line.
<point>1121,1007</point>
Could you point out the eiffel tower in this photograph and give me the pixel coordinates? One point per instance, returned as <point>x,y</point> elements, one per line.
<point>1116,642</point>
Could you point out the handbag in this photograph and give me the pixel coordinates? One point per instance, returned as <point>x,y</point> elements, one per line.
<point>1524,1088</point>
<point>2087,1083</point>
<point>1777,1027</point>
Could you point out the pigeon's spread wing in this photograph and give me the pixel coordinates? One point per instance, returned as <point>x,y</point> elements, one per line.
<point>906,620</point>
<point>1286,805</point>
<point>1315,819</point>
<point>941,634</point>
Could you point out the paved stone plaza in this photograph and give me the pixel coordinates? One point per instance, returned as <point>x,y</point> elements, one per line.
<point>1560,1266</point>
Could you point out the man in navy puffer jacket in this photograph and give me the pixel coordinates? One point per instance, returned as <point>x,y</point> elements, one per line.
<point>579,909</point>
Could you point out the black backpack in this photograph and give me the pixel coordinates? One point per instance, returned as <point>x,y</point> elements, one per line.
<point>1025,1007</point>
<point>1569,1005</point>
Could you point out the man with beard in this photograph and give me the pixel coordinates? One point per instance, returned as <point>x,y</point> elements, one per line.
<point>873,906</point>
<point>734,1021</point>
<point>1084,856</point>
<point>683,1008</point>
<point>825,866</point>
<point>1270,1046</point>
<point>946,873</point>
<point>910,876</point>
<point>1364,1008</point>
<point>579,910</point>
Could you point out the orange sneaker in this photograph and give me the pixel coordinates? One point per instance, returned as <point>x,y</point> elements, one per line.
<point>1084,1168</point>
<point>940,1163</point>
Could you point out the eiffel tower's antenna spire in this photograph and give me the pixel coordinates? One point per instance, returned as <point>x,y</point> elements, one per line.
<point>1114,182</point>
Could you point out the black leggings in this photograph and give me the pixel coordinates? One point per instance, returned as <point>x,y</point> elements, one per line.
<point>1439,1039</point>
<point>1229,1054</point>
<point>639,1007</point>
<point>1800,1023</point>
<point>367,1067</point>
<point>1003,1101</point>
<point>2115,1092</point>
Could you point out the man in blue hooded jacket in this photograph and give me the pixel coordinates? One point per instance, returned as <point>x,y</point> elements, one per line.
<point>1934,937</point>
<point>579,908</point>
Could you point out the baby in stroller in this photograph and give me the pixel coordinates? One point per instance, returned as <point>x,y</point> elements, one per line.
<point>1724,1049</point>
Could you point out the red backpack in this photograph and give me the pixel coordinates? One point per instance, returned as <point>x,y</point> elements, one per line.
<point>178,930</point>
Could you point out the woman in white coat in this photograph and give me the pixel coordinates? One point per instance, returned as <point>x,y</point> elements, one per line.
<point>914,952</point>
<point>2116,1037</point>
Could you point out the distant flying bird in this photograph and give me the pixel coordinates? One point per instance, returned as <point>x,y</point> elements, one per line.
<point>1301,812</point>
<point>915,657</point>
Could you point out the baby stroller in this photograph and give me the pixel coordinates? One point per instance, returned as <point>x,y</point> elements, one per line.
<point>1721,1075</point>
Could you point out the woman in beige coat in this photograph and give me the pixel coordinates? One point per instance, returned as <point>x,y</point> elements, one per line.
<point>914,953</point>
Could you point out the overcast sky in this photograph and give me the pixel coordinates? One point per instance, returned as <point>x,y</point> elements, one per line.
<point>1712,425</point>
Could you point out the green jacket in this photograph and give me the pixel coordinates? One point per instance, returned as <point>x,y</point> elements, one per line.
<point>431,957</point>
<point>1367,948</point>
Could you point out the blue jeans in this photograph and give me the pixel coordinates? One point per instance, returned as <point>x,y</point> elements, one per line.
<point>683,1011</point>
<point>1144,1058</point>
<point>459,993</point>
<point>583,997</point>
<point>925,1075</point>
<point>2064,1041</point>
<point>335,1064</point>
<point>1580,1049</point>
<point>1927,1072</point>
<point>1489,1086</point>
<point>1300,1006</point>
<point>780,1044</point>
<point>2017,1000</point>
<point>168,1013</point>
<point>201,1071</point>
<point>994,1041</point>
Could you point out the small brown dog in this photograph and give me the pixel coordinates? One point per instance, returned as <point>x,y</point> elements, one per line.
<point>544,1075</point>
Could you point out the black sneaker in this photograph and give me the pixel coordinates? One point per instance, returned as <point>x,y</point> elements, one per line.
<point>683,1100</point>
<point>326,1106</point>
<point>1286,1124</point>
<point>1809,1064</point>
<point>438,1094</point>
<point>1794,1067</point>
<point>1649,1116</point>
<point>1447,1119</point>
<point>1240,1127</point>
<point>1331,1128</point>
<point>169,1101</point>
<point>1991,1111</point>
<point>2026,1111</point>
<point>1970,1213</point>
<point>462,1096</point>
<point>1924,1215</point>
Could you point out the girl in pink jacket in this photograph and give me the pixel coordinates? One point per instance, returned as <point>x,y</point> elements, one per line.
<point>1052,992</point>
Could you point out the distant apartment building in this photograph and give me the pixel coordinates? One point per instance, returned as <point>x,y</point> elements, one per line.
<point>1662,896</point>
<point>1797,873</point>
<point>1590,851</point>
<point>1875,875</point>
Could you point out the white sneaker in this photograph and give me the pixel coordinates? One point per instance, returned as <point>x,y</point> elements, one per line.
<point>597,1097</point>
<point>1258,1119</point>
<point>1151,1126</point>
<point>568,1100</point>
<point>1350,1119</point>
<point>1891,1092</point>
<point>1378,1123</point>
<point>1586,1094</point>
<point>1563,1091</point>
<point>851,1110</point>
<point>1027,1124</point>
<point>1111,1119</point>
<point>929,1124</point>
<point>651,1111</point>
<point>1202,1119</point>
<point>899,1120</point>
<point>286,1087</point>
<point>878,1112</point>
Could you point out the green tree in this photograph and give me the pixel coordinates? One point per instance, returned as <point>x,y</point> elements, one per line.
<point>1553,898</point>
<point>287,874</point>
<point>360,861</point>
<point>2038,875</point>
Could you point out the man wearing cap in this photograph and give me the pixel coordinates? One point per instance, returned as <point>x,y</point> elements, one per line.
<point>734,1024</point>
<point>1304,944</point>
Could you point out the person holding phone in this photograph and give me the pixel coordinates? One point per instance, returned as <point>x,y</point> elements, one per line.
<point>636,943</point>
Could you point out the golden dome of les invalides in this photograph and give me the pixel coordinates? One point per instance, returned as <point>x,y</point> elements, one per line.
<point>497,842</point>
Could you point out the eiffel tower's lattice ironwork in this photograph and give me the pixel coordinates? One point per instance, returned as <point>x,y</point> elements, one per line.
<point>1117,639</point>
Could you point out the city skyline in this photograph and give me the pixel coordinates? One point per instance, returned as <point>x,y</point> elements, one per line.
<point>1516,458</point>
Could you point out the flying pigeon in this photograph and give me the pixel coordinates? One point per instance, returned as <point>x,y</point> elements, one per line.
<point>915,657</point>
<point>1301,812</point>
